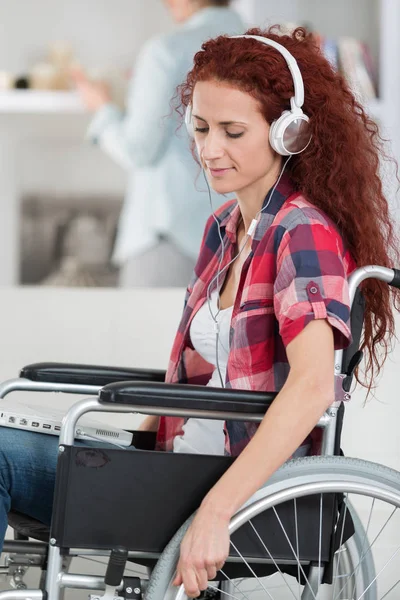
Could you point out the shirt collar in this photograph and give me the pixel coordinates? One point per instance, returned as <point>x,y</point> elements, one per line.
<point>229,219</point>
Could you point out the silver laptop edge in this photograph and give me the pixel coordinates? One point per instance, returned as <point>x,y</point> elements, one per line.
<point>95,431</point>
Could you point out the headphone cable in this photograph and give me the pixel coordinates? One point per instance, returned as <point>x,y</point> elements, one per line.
<point>216,278</point>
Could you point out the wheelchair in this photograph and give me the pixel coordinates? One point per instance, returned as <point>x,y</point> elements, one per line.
<point>308,533</point>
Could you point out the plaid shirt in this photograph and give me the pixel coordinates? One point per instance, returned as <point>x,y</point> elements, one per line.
<point>296,272</point>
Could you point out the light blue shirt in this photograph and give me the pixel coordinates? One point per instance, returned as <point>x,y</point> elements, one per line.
<point>166,193</point>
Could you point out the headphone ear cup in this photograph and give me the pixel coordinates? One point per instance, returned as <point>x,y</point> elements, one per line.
<point>276,133</point>
<point>188,121</point>
<point>290,134</point>
<point>273,138</point>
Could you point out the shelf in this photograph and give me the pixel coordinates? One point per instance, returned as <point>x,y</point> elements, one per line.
<point>43,102</point>
<point>40,102</point>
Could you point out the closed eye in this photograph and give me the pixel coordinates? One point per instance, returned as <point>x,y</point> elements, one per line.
<point>231,135</point>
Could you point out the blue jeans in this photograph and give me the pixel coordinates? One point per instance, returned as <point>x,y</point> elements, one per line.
<point>27,474</point>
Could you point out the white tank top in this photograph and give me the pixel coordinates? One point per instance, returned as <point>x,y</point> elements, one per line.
<point>205,436</point>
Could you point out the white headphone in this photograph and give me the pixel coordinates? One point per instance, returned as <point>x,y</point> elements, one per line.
<point>290,134</point>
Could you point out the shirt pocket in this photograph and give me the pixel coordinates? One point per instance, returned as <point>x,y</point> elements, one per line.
<point>253,330</point>
<point>256,304</point>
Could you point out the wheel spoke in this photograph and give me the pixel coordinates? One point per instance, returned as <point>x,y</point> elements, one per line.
<point>363,555</point>
<point>364,541</point>
<point>340,545</point>
<point>252,571</point>
<point>272,558</point>
<point>294,553</point>
<point>391,589</point>
<point>320,541</point>
<point>381,571</point>
<point>234,585</point>
<point>214,587</point>
<point>297,541</point>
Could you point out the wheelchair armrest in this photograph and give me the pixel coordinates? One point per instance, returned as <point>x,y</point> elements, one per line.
<point>396,279</point>
<point>193,397</point>
<point>87,374</point>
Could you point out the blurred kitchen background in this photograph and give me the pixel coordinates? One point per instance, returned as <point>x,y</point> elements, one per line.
<point>60,197</point>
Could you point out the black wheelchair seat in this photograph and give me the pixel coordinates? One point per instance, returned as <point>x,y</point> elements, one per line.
<point>27,527</point>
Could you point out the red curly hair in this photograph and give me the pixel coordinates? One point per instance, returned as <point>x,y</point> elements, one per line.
<point>338,172</point>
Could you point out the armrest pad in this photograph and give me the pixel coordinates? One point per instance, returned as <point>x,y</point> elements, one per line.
<point>87,374</point>
<point>178,396</point>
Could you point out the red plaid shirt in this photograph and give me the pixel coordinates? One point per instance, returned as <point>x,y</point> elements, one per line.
<point>297,271</point>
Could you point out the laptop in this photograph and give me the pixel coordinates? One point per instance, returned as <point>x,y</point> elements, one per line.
<point>48,420</point>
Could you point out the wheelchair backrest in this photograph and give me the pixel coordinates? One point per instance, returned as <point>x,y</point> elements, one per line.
<point>356,326</point>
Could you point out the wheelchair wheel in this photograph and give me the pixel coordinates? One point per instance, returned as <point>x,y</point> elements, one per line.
<point>369,493</point>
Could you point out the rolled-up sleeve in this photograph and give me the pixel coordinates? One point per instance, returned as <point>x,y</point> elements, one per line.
<point>139,136</point>
<point>311,282</point>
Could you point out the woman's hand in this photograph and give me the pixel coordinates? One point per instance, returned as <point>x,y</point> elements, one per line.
<point>204,550</point>
<point>94,94</point>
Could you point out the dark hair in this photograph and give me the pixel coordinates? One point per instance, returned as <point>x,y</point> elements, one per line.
<point>338,172</point>
<point>217,2</point>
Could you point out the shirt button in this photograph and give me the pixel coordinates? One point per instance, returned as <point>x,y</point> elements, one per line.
<point>313,290</point>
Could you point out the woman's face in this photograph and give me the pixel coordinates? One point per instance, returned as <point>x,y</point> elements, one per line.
<point>231,137</point>
<point>181,10</point>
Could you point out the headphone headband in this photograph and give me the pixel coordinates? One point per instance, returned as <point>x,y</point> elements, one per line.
<point>290,61</point>
<point>290,133</point>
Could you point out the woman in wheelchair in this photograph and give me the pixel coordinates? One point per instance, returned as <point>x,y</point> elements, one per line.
<point>268,304</point>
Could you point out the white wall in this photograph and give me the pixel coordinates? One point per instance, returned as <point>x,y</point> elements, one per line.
<point>332,19</point>
<point>101,32</point>
<point>96,326</point>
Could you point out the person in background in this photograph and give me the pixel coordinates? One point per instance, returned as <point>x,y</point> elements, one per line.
<point>167,203</point>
